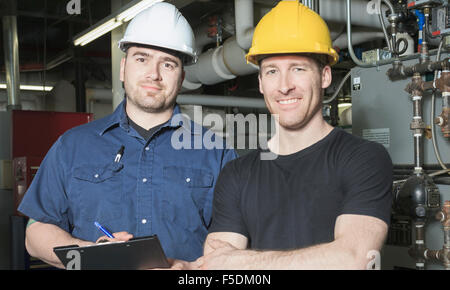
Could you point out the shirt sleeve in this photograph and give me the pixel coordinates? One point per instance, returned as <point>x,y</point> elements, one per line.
<point>367,182</point>
<point>45,200</point>
<point>227,215</point>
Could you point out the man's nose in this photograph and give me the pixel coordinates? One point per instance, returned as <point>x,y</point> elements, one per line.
<point>153,72</point>
<point>286,85</point>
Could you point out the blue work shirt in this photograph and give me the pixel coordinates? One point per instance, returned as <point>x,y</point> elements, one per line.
<point>154,188</point>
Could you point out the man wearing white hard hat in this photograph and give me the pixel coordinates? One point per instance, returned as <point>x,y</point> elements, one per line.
<point>122,170</point>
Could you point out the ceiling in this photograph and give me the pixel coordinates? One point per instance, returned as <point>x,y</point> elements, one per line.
<point>45,30</point>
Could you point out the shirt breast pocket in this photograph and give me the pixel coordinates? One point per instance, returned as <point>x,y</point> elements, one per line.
<point>99,192</point>
<point>187,194</point>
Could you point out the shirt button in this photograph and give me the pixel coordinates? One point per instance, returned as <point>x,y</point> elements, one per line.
<point>147,148</point>
<point>188,179</point>
<point>144,221</point>
<point>96,175</point>
<point>144,180</point>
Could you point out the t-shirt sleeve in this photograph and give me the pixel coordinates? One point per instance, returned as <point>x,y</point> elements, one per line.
<point>367,182</point>
<point>227,215</point>
<point>45,200</point>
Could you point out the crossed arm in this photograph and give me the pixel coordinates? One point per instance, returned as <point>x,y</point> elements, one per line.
<point>355,237</point>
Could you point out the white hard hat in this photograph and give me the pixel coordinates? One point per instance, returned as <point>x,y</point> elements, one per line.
<point>162,25</point>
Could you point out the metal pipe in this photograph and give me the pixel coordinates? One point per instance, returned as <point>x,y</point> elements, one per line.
<point>11,53</point>
<point>446,227</point>
<point>433,104</point>
<point>419,245</point>
<point>415,88</point>
<point>398,71</point>
<point>243,11</point>
<point>312,4</point>
<point>350,43</point>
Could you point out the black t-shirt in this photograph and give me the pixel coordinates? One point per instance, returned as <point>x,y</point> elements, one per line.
<point>146,134</point>
<point>293,201</point>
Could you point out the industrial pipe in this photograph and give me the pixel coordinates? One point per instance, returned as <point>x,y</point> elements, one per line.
<point>243,12</point>
<point>398,71</point>
<point>11,53</point>
<point>228,60</point>
<point>442,255</point>
<point>350,43</point>
<point>415,89</point>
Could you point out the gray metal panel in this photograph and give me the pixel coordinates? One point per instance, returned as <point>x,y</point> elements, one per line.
<point>6,196</point>
<point>381,103</point>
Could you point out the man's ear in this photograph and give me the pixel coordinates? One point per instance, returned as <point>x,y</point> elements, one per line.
<point>260,86</point>
<point>326,77</point>
<point>122,69</point>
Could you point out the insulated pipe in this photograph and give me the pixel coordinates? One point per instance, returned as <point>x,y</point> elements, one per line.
<point>220,101</point>
<point>234,58</point>
<point>218,65</point>
<point>11,54</point>
<point>228,61</point>
<point>201,37</point>
<point>243,13</point>
<point>209,69</point>
<point>329,10</point>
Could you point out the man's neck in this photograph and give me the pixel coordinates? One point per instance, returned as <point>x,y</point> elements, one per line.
<point>287,142</point>
<point>148,120</point>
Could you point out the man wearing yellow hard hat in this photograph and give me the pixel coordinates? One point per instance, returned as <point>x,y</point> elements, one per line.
<point>324,202</point>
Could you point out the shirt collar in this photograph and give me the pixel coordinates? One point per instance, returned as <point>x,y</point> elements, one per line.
<point>119,118</point>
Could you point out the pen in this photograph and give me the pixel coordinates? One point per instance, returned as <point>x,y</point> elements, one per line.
<point>119,154</point>
<point>105,231</point>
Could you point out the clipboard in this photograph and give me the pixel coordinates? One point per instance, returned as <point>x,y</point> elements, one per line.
<point>135,254</point>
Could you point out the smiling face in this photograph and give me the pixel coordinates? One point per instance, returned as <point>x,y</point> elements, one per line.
<point>292,86</point>
<point>152,79</point>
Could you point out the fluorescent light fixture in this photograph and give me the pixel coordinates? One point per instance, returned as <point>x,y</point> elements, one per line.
<point>97,32</point>
<point>129,13</point>
<point>109,23</point>
<point>31,87</point>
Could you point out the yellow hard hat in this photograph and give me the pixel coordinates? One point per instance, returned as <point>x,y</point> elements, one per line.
<point>291,27</point>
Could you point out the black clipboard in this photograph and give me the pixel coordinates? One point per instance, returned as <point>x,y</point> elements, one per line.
<point>135,254</point>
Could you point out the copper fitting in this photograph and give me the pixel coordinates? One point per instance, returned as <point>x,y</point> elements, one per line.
<point>443,120</point>
<point>443,83</point>
<point>416,86</point>
<point>445,214</point>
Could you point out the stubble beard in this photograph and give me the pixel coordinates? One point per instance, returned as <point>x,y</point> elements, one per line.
<point>304,121</point>
<point>154,104</point>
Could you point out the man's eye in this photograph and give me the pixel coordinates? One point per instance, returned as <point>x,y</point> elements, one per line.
<point>168,65</point>
<point>298,69</point>
<point>140,59</point>
<point>271,72</point>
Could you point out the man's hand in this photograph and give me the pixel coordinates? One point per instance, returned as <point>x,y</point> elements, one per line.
<point>118,237</point>
<point>223,256</point>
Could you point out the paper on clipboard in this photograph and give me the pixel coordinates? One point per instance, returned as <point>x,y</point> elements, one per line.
<point>135,254</point>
